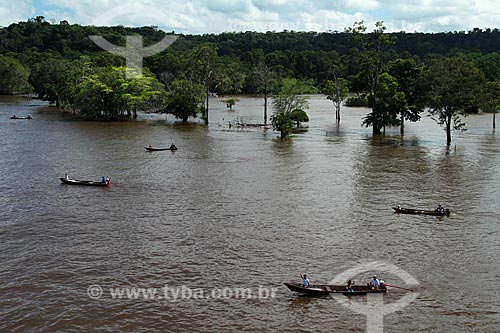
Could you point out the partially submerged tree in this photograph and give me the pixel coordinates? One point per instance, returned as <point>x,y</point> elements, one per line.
<point>299,116</point>
<point>230,102</point>
<point>107,93</point>
<point>205,71</point>
<point>185,99</point>
<point>49,79</point>
<point>373,62</point>
<point>283,123</point>
<point>490,65</point>
<point>13,77</point>
<point>491,99</point>
<point>407,73</point>
<point>388,101</point>
<point>337,90</point>
<point>453,86</point>
<point>289,98</point>
<point>264,78</point>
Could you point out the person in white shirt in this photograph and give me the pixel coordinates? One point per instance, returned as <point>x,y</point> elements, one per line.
<point>305,280</point>
<point>374,282</point>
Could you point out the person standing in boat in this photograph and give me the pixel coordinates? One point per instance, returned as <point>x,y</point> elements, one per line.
<point>374,282</point>
<point>173,147</point>
<point>305,280</point>
<point>66,176</point>
<point>103,180</point>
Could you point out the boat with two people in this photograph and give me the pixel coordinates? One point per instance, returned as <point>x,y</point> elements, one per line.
<point>439,211</point>
<point>103,183</point>
<point>151,148</point>
<point>349,289</point>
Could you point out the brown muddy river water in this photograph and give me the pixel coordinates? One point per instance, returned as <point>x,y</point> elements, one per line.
<point>238,209</point>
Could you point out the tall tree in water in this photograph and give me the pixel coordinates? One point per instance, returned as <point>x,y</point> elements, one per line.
<point>453,86</point>
<point>206,71</point>
<point>264,78</point>
<point>491,101</point>
<point>407,73</point>
<point>336,90</point>
<point>373,62</point>
<point>490,65</point>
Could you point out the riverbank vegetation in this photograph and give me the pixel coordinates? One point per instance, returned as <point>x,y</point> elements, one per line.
<point>396,75</point>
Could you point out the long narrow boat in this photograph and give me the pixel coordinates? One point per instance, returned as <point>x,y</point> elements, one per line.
<point>83,182</point>
<point>401,210</point>
<point>16,117</point>
<point>327,289</point>
<point>158,149</point>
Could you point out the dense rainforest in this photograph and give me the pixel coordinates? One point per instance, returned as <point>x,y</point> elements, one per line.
<point>396,75</point>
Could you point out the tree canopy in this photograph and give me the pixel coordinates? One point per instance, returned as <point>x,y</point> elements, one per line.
<point>13,76</point>
<point>453,85</point>
<point>185,99</point>
<point>287,104</point>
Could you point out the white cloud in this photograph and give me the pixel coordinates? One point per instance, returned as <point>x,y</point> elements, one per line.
<point>444,15</point>
<point>360,5</point>
<point>15,11</point>
<point>207,16</point>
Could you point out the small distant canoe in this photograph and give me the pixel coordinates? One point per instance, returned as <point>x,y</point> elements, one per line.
<point>327,289</point>
<point>401,210</point>
<point>83,182</point>
<point>158,149</point>
<point>16,117</point>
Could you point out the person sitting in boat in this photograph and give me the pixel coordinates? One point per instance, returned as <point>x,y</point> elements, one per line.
<point>439,209</point>
<point>349,285</point>
<point>374,282</point>
<point>305,280</point>
<point>172,146</point>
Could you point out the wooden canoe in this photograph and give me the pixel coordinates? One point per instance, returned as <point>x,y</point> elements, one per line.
<point>83,182</point>
<point>16,117</point>
<point>327,289</point>
<point>401,210</point>
<point>159,149</point>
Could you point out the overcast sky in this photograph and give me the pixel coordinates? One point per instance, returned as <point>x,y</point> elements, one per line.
<point>215,16</point>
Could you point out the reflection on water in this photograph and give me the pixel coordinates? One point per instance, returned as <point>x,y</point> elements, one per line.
<point>239,207</point>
